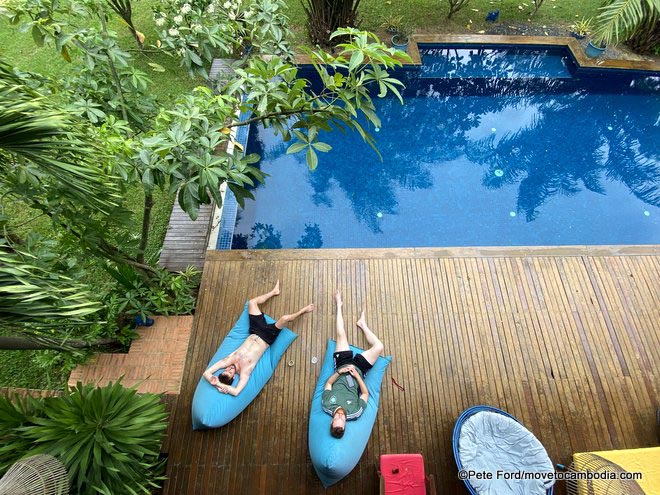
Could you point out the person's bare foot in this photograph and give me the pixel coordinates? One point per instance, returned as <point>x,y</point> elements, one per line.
<point>362,322</point>
<point>338,297</point>
<point>276,289</point>
<point>308,309</point>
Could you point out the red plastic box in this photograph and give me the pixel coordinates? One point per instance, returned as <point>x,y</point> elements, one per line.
<point>402,474</point>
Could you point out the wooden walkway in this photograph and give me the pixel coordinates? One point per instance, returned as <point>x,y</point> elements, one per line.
<point>186,240</point>
<point>569,344</point>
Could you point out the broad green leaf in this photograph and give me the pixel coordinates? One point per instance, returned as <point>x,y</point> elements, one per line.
<point>312,159</point>
<point>296,147</point>
<point>323,147</point>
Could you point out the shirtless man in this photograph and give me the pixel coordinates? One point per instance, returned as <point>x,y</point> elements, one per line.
<point>242,361</point>
<point>345,394</point>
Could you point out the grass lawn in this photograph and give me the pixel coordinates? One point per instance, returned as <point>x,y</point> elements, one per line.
<point>20,370</point>
<point>425,15</point>
<point>18,49</point>
<point>430,16</point>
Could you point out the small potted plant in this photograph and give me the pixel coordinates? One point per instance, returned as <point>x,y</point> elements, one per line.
<point>392,23</point>
<point>402,37</point>
<point>581,28</point>
<point>596,47</point>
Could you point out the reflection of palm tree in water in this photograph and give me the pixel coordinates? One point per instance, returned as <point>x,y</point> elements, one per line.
<point>547,157</point>
<point>550,157</point>
<point>370,187</point>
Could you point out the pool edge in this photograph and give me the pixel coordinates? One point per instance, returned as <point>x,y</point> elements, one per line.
<point>574,47</point>
<point>441,252</point>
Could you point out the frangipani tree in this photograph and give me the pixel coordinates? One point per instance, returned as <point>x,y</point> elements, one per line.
<point>199,30</point>
<point>185,149</point>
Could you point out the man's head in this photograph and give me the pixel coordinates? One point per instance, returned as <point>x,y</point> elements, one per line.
<point>338,424</point>
<point>227,376</point>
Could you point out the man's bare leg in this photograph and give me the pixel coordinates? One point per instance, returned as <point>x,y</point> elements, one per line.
<point>253,304</point>
<point>284,320</point>
<point>377,346</point>
<point>342,340</point>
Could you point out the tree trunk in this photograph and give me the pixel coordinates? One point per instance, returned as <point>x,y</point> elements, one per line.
<point>113,70</point>
<point>15,343</point>
<point>146,220</point>
<point>127,15</point>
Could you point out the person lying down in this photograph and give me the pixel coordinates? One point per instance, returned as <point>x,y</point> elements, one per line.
<point>242,361</point>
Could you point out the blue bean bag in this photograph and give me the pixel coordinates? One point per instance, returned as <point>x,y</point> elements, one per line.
<point>213,409</point>
<point>334,458</point>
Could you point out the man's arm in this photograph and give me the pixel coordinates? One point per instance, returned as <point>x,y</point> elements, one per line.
<point>223,363</point>
<point>331,380</point>
<point>228,389</point>
<point>363,387</point>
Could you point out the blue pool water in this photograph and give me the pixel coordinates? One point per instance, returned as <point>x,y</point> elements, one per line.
<point>492,148</point>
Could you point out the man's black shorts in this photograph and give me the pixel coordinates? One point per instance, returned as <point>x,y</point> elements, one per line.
<point>259,327</point>
<point>342,358</point>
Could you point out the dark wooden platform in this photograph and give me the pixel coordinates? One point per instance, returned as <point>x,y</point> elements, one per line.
<point>566,339</point>
<point>186,240</point>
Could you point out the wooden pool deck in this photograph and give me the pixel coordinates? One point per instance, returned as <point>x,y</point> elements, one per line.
<point>565,339</point>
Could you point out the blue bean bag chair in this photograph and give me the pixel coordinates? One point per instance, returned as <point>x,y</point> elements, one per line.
<point>334,458</point>
<point>213,409</point>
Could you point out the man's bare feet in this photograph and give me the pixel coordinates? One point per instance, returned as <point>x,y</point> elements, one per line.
<point>308,309</point>
<point>276,289</point>
<point>337,296</point>
<point>362,322</point>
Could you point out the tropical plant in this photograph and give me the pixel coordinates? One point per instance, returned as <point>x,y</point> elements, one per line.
<point>290,105</point>
<point>59,166</point>
<point>324,17</point>
<point>15,414</point>
<point>582,27</point>
<point>43,146</point>
<point>197,31</point>
<point>646,38</point>
<point>185,149</point>
<point>34,298</point>
<point>108,437</point>
<point>455,6</point>
<point>620,20</point>
<point>392,22</point>
<point>105,81</point>
<point>403,34</point>
<point>169,294</point>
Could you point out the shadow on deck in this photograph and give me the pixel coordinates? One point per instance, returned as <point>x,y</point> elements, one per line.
<point>569,344</point>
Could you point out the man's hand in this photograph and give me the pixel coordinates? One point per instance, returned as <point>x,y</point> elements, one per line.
<point>211,378</point>
<point>350,369</point>
<point>222,388</point>
<point>353,372</point>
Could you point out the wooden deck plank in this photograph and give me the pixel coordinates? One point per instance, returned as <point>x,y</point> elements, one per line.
<point>186,240</point>
<point>565,343</point>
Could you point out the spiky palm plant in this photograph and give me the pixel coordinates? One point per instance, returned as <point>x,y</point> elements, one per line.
<point>34,298</point>
<point>108,437</point>
<point>40,144</point>
<point>619,20</point>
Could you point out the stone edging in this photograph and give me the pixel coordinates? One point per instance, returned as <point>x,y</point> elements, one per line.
<point>574,47</point>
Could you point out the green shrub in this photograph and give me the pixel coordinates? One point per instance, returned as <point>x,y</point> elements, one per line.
<point>168,294</point>
<point>107,437</point>
<point>15,414</point>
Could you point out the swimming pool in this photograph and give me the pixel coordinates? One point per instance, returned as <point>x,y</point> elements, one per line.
<point>493,147</point>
